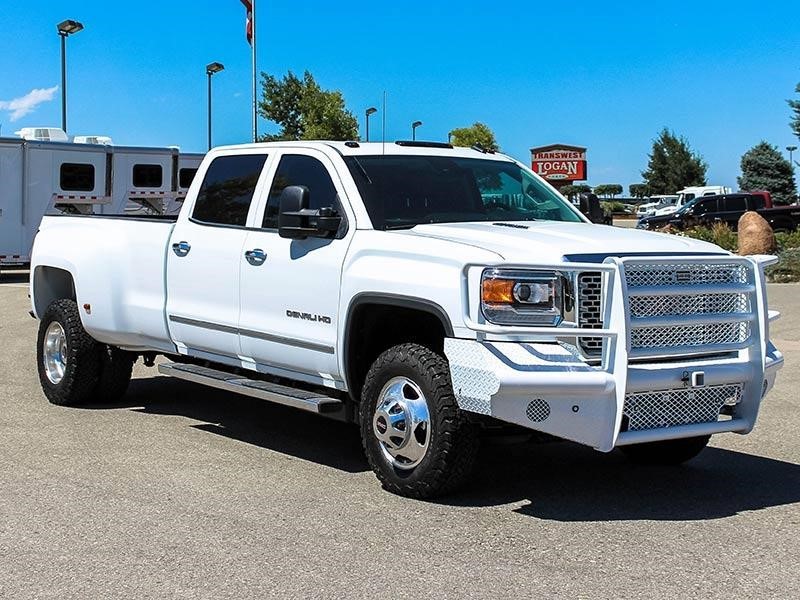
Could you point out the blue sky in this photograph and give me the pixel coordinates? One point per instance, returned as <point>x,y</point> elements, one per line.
<point>606,75</point>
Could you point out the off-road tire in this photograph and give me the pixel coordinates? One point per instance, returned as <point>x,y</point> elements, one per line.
<point>116,367</point>
<point>667,452</point>
<point>82,371</point>
<point>453,443</point>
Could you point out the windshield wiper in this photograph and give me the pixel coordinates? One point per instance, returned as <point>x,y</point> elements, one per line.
<point>405,226</point>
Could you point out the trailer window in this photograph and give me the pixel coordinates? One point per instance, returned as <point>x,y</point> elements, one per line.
<point>227,190</point>
<point>185,177</point>
<point>147,176</point>
<point>77,177</point>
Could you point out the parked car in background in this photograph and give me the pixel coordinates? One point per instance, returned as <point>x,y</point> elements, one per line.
<point>727,208</point>
<point>654,203</point>
<point>690,193</point>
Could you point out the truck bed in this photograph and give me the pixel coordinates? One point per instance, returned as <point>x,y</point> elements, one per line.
<point>118,263</point>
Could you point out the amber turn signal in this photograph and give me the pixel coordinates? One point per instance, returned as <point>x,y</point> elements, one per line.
<point>497,291</point>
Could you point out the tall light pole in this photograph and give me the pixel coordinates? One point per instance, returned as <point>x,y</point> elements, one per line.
<point>211,68</point>
<point>791,149</point>
<point>370,111</point>
<point>65,29</point>
<point>414,126</point>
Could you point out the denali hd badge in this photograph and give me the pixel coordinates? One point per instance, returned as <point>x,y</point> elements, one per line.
<point>304,316</point>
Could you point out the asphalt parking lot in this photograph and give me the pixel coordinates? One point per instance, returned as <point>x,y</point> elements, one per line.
<point>185,492</point>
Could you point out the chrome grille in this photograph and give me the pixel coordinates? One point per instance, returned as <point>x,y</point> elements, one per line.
<point>689,274</point>
<point>705,334</point>
<point>669,408</point>
<point>590,316</point>
<point>645,306</point>
<point>705,321</point>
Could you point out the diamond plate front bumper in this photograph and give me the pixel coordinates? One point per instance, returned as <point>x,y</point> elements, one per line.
<point>547,386</point>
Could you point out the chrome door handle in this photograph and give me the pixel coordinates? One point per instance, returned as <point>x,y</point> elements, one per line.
<point>256,257</point>
<point>181,248</point>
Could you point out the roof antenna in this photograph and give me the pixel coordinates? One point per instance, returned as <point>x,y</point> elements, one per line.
<point>383,133</point>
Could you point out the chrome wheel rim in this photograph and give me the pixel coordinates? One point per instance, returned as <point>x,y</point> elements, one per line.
<point>402,423</point>
<point>55,353</point>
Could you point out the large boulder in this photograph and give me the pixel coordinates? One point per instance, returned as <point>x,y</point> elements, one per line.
<point>755,235</point>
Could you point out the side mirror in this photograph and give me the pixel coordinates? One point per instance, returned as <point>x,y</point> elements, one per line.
<point>296,221</point>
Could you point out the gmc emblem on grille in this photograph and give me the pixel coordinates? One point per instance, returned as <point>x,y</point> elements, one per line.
<point>683,276</point>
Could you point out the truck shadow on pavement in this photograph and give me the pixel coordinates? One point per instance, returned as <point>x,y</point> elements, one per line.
<point>554,481</point>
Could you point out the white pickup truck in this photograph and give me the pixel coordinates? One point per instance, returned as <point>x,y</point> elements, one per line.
<point>426,292</point>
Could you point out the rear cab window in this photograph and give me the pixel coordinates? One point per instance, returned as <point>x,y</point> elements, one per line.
<point>756,201</point>
<point>227,190</point>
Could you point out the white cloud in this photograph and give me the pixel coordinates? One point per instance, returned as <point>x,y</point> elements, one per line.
<point>19,107</point>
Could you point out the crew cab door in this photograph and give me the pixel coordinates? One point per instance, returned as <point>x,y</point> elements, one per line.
<point>204,255</point>
<point>290,289</point>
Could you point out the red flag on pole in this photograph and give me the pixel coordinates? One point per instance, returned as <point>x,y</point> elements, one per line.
<point>248,4</point>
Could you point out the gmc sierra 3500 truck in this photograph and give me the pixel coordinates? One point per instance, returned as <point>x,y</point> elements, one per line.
<point>426,292</point>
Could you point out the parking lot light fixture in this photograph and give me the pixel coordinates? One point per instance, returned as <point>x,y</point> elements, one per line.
<point>370,111</point>
<point>414,126</point>
<point>791,149</point>
<point>211,68</point>
<point>65,29</point>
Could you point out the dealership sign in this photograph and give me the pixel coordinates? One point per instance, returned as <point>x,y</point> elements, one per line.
<point>559,162</point>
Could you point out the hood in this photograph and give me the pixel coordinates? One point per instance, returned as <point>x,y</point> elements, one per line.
<point>551,241</point>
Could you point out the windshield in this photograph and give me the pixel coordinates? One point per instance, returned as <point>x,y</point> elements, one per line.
<point>404,191</point>
<point>688,205</point>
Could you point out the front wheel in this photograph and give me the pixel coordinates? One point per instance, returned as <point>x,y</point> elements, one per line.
<point>417,441</point>
<point>67,357</point>
<point>667,452</point>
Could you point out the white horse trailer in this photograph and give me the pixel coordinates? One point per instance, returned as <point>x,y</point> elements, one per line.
<point>37,178</point>
<point>41,177</point>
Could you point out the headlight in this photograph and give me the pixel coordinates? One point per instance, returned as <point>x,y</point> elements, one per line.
<point>512,297</point>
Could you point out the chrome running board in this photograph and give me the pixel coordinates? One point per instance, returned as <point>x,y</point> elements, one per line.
<point>315,402</point>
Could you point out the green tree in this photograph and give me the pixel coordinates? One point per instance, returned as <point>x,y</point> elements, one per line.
<point>672,165</point>
<point>572,190</point>
<point>477,135</point>
<point>608,189</point>
<point>765,168</point>
<point>639,190</point>
<point>304,111</point>
<point>795,121</point>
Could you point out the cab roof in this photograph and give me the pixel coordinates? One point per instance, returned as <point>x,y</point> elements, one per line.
<point>399,147</point>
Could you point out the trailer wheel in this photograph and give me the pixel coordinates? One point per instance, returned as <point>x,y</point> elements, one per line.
<point>667,452</point>
<point>116,368</point>
<point>67,357</point>
<point>417,440</point>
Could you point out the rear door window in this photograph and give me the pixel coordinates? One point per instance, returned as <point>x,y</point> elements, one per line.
<point>734,204</point>
<point>227,189</point>
<point>756,202</point>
